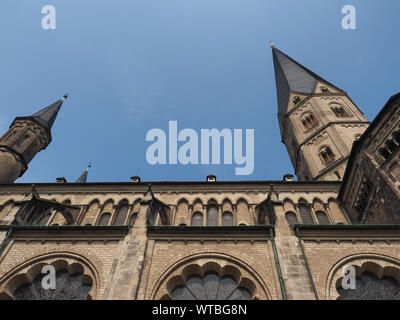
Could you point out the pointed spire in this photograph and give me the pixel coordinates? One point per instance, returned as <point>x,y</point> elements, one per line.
<point>290,76</point>
<point>83,177</point>
<point>47,116</point>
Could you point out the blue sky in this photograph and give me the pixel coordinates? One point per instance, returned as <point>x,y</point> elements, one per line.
<point>132,66</point>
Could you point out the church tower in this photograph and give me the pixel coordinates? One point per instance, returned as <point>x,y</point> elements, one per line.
<point>24,139</point>
<point>318,121</point>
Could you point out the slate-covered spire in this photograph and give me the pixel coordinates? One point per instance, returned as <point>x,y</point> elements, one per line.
<point>291,76</point>
<point>26,137</point>
<point>83,177</point>
<point>47,116</point>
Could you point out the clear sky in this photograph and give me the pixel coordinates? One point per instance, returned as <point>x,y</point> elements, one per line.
<point>131,66</point>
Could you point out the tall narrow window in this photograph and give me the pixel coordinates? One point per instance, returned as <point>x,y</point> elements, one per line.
<point>22,140</point>
<point>324,89</point>
<point>212,215</point>
<point>305,214</point>
<point>197,219</point>
<point>120,215</point>
<point>322,217</point>
<point>308,120</point>
<point>327,155</point>
<point>339,111</point>
<point>104,219</point>
<point>396,136</point>
<point>384,153</point>
<point>227,219</point>
<point>296,99</point>
<point>291,217</point>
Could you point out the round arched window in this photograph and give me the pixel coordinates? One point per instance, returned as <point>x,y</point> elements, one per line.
<point>210,287</point>
<point>369,287</point>
<point>67,287</point>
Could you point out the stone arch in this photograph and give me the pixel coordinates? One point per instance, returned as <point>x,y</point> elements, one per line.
<point>227,205</point>
<point>227,212</point>
<point>308,119</point>
<point>182,212</point>
<point>243,214</point>
<point>212,201</point>
<point>288,205</point>
<point>305,212</point>
<point>25,270</point>
<point>379,264</point>
<point>91,212</point>
<point>121,213</point>
<point>201,264</point>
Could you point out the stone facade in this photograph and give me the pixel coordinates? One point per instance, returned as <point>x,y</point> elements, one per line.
<point>266,240</point>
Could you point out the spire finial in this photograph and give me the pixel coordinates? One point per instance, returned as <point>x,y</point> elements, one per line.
<point>65,96</point>
<point>271,45</point>
<point>89,166</point>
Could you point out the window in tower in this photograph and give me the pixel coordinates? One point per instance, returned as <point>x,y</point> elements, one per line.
<point>324,89</point>
<point>296,99</point>
<point>391,145</point>
<point>396,136</point>
<point>22,140</point>
<point>327,155</point>
<point>384,153</point>
<point>339,111</point>
<point>308,120</point>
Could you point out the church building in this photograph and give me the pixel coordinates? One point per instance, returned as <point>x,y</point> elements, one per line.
<point>216,240</point>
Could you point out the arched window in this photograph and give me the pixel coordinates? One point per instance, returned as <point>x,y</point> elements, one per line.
<point>384,153</point>
<point>322,217</point>
<point>327,155</point>
<point>291,217</point>
<point>227,219</point>
<point>391,145</point>
<point>212,215</point>
<point>396,136</point>
<point>296,99</point>
<point>324,89</point>
<point>305,214</point>
<point>121,214</point>
<point>210,287</point>
<point>308,120</point>
<point>68,287</point>
<point>104,219</point>
<point>369,287</point>
<point>339,111</point>
<point>197,219</point>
